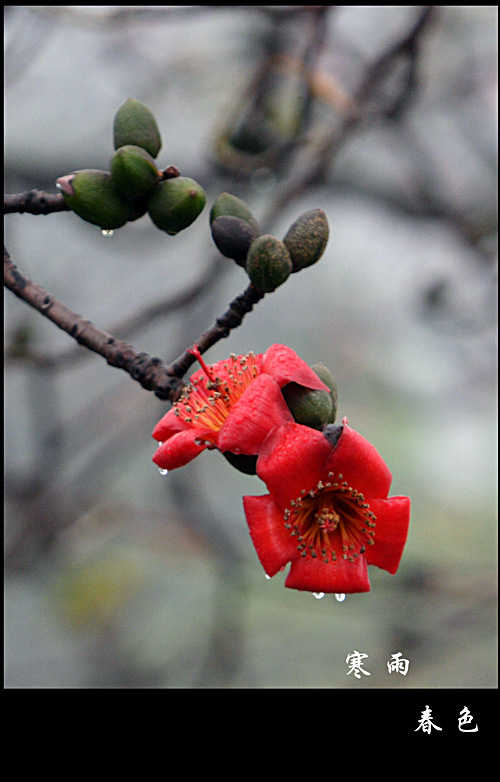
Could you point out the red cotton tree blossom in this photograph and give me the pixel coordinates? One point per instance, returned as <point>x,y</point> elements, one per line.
<point>231,405</point>
<point>327,511</point>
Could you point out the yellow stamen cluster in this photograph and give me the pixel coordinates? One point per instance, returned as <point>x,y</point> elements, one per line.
<point>333,517</point>
<point>206,403</point>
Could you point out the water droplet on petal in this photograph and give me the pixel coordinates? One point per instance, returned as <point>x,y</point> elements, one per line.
<point>268,577</point>
<point>318,595</point>
<point>340,597</point>
<point>107,232</point>
<point>162,472</point>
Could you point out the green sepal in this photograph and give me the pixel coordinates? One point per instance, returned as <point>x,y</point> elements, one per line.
<point>326,376</point>
<point>309,407</point>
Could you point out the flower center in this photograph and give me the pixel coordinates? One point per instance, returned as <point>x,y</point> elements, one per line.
<point>207,401</point>
<point>331,520</point>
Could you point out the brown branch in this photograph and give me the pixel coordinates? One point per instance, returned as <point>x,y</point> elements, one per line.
<point>38,202</point>
<point>149,371</point>
<point>35,202</point>
<point>231,319</point>
<point>126,326</point>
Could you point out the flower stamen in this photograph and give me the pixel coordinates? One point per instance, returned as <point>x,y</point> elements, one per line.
<point>207,401</point>
<point>331,518</point>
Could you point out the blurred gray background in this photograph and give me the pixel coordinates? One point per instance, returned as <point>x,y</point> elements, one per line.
<point>117,576</point>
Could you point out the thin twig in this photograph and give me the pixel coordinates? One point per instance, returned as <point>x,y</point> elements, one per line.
<point>128,325</point>
<point>231,319</point>
<point>149,371</point>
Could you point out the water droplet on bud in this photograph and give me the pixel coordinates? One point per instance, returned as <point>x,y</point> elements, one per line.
<point>268,577</point>
<point>162,472</point>
<point>340,597</point>
<point>107,232</point>
<point>318,595</point>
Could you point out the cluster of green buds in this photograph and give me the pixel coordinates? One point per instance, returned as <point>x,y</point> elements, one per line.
<point>134,184</point>
<point>267,260</point>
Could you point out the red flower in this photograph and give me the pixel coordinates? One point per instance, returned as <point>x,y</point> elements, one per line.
<point>232,405</point>
<point>327,511</point>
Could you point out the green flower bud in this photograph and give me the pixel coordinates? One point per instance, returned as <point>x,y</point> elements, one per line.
<point>233,237</point>
<point>134,171</point>
<point>93,196</point>
<point>306,238</point>
<point>326,376</point>
<point>227,205</point>
<point>308,406</point>
<point>268,263</point>
<point>135,124</point>
<point>176,203</point>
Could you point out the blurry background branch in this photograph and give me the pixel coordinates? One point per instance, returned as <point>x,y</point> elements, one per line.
<point>387,87</point>
<point>386,118</point>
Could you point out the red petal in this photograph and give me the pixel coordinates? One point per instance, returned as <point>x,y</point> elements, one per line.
<point>259,410</point>
<point>314,575</point>
<point>180,449</point>
<point>168,425</point>
<point>272,541</point>
<point>360,464</point>
<point>391,531</point>
<point>285,366</point>
<point>291,459</point>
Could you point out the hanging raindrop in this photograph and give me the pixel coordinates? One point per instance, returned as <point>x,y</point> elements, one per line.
<point>318,595</point>
<point>340,597</point>
<point>162,472</point>
<point>268,577</point>
<point>107,232</point>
